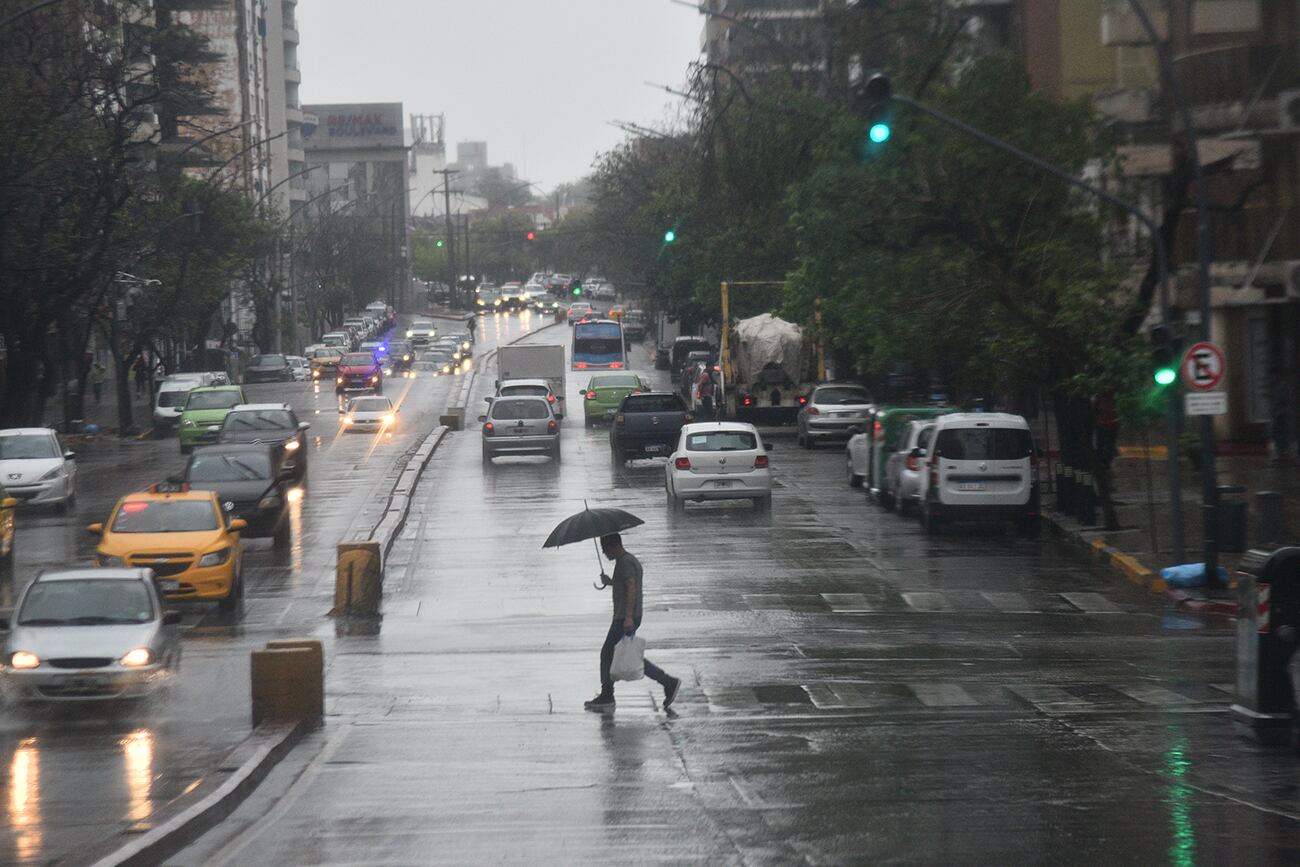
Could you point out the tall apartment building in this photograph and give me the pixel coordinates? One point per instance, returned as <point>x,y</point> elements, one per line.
<point>787,38</point>
<point>283,80</point>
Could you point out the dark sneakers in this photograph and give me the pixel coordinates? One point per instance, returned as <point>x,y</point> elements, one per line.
<point>670,692</point>
<point>600,703</point>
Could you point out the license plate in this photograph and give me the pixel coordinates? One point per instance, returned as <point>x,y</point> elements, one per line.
<point>722,483</point>
<point>653,450</point>
<point>82,682</point>
<point>971,486</point>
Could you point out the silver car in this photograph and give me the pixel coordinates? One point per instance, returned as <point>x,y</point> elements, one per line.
<point>90,634</point>
<point>901,486</point>
<point>831,410</point>
<point>520,426</point>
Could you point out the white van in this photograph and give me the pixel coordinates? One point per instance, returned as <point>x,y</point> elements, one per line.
<point>980,467</point>
<point>170,394</point>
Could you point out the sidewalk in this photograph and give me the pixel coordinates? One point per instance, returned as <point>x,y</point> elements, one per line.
<point>102,413</point>
<point>1129,551</point>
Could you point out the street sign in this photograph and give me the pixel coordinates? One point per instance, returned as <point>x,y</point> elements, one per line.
<point>1203,366</point>
<point>1205,403</point>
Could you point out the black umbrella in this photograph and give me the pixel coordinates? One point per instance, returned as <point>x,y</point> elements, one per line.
<point>591,524</point>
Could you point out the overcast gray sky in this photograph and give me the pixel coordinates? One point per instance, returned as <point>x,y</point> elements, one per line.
<point>537,79</point>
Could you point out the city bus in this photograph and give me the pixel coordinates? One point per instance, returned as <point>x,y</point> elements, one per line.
<point>598,344</point>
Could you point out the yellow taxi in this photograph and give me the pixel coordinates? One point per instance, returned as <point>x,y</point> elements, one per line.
<point>184,536</point>
<point>7,505</point>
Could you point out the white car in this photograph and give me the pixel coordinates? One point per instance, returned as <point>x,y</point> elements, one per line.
<point>298,365</point>
<point>719,461</point>
<point>372,413</point>
<point>35,468</point>
<point>530,388</point>
<point>980,467</point>
<point>170,397</point>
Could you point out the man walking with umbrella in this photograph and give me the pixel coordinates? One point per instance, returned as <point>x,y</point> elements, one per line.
<point>627,587</point>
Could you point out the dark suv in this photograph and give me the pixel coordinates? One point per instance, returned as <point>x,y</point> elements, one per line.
<point>272,424</point>
<point>268,368</point>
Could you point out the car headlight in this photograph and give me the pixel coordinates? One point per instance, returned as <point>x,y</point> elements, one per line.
<point>339,380</point>
<point>216,558</point>
<point>406,358</point>
<point>347,419</point>
<point>465,345</point>
<point>138,657</point>
<point>52,474</point>
<point>24,661</point>
<point>410,334</point>
<point>270,502</point>
<point>446,368</point>
<point>389,419</point>
<point>109,562</point>
<point>291,446</point>
<point>189,422</point>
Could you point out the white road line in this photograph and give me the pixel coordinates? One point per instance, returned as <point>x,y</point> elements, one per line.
<point>1042,695</point>
<point>1009,603</point>
<point>1156,695</point>
<point>847,603</point>
<point>927,601</point>
<point>1092,603</point>
<point>942,695</point>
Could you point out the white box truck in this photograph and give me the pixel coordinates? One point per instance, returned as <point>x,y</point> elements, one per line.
<point>534,362</point>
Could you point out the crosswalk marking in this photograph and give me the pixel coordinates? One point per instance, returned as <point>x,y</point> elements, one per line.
<point>1092,603</point>
<point>1154,695</point>
<point>942,695</point>
<point>927,601</point>
<point>1009,603</point>
<point>847,603</point>
<point>1041,695</point>
<point>842,695</point>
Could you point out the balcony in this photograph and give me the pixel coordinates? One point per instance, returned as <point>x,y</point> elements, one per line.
<point>292,73</point>
<point>1119,26</point>
<point>290,35</point>
<point>1238,74</point>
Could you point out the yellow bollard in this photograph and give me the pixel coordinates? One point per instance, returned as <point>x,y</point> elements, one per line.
<point>358,579</point>
<point>287,684</point>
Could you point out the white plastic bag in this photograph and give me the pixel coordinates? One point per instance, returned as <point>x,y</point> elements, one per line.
<point>629,659</point>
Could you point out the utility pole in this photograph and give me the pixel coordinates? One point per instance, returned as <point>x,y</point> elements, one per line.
<point>452,289</point>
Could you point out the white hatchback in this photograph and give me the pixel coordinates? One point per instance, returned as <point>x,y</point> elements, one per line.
<point>36,468</point>
<point>719,461</point>
<point>370,413</point>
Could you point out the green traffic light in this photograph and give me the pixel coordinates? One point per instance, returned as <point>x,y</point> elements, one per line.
<point>670,236</point>
<point>879,133</point>
<point>440,243</point>
<point>577,290</point>
<point>1166,376</point>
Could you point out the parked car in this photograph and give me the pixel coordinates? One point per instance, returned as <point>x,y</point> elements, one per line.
<point>634,325</point>
<point>647,425</point>
<point>205,409</point>
<point>270,424</point>
<point>831,410</point>
<point>251,483</point>
<point>268,368</point>
<point>871,450</point>
<point>36,469</point>
<point>901,486</point>
<point>369,414</point>
<point>719,461</point>
<point>980,467</point>
<point>604,394</point>
<point>298,364</point>
<point>520,426</point>
<point>359,371</point>
<point>90,634</point>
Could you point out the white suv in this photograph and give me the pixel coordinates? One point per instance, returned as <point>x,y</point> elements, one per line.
<point>980,467</point>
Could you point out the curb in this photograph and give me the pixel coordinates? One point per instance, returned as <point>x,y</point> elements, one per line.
<point>187,818</point>
<point>399,499</point>
<point>1124,565</point>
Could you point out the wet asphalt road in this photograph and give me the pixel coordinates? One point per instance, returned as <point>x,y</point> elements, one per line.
<point>75,774</point>
<point>857,693</point>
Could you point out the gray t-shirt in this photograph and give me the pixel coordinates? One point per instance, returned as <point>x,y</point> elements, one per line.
<point>626,566</point>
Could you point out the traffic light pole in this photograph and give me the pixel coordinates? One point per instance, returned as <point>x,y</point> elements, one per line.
<point>1162,267</point>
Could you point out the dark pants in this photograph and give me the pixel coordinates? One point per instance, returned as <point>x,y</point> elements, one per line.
<point>706,408</point>
<point>612,638</point>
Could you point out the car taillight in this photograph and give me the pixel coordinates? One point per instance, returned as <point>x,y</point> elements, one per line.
<point>879,431</point>
<point>591,395</point>
<point>682,463</point>
<point>812,410</point>
<point>760,462</point>
<point>616,365</point>
<point>551,426</point>
<point>487,428</point>
<point>581,365</point>
<point>550,398</point>
<point>747,400</point>
<point>803,400</point>
<point>913,463</point>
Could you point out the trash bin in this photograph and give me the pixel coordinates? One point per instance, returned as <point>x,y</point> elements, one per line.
<point>1268,603</point>
<point>1268,505</point>
<point>1232,518</point>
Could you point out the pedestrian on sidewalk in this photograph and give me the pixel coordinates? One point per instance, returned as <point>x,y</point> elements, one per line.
<point>141,370</point>
<point>97,373</point>
<point>627,594</point>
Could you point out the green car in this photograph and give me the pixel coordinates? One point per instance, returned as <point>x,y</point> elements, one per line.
<point>205,410</point>
<point>869,450</point>
<point>604,393</point>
